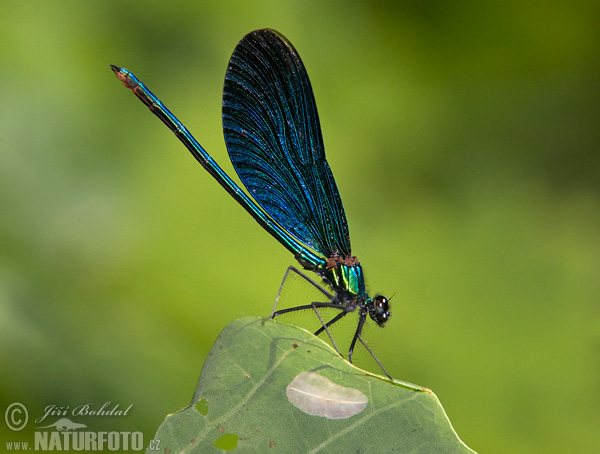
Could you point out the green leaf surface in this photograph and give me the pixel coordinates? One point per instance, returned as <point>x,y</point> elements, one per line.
<point>241,402</point>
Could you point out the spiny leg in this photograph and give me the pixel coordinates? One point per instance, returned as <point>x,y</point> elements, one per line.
<point>314,306</point>
<point>301,274</point>
<point>361,322</point>
<point>331,322</point>
<point>375,358</point>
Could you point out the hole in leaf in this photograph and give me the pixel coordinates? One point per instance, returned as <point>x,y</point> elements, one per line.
<point>202,407</point>
<point>226,442</point>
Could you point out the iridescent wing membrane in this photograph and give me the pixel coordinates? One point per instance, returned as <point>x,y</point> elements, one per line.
<point>274,140</point>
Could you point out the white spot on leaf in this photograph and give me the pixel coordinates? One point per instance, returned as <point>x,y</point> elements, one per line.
<point>318,396</point>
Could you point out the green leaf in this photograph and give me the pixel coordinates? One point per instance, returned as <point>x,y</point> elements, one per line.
<point>257,368</point>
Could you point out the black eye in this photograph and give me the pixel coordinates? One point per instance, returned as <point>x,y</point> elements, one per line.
<point>381,303</point>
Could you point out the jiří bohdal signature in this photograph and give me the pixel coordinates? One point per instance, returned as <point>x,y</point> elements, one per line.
<point>107,409</point>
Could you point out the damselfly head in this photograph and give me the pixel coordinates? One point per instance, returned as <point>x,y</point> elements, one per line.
<point>379,310</point>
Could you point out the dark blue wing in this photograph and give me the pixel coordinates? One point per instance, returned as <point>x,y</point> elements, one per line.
<point>274,140</point>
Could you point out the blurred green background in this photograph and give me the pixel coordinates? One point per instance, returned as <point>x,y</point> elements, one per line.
<point>464,140</point>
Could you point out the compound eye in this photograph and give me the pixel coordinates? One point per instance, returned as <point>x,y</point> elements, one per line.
<point>380,311</point>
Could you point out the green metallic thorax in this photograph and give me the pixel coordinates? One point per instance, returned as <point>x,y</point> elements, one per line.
<point>346,275</point>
